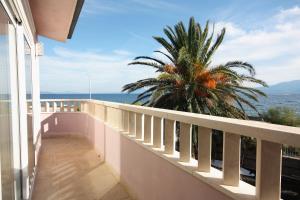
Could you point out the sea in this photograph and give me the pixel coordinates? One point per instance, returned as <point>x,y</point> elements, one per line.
<point>289,100</point>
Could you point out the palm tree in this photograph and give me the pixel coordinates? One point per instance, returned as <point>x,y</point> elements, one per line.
<point>187,80</point>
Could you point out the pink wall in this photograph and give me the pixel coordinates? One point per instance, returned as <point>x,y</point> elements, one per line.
<point>145,174</point>
<point>64,124</point>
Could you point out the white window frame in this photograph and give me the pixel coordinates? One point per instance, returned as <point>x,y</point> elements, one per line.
<point>15,131</point>
<point>15,112</point>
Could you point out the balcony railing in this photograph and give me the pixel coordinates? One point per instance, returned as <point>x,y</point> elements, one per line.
<point>155,129</point>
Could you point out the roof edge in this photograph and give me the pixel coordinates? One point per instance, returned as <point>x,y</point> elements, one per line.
<point>77,12</point>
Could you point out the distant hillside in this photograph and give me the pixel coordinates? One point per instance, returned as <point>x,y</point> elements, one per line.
<point>290,87</point>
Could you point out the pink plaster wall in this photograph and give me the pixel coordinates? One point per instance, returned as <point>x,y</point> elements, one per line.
<point>145,174</point>
<point>64,124</point>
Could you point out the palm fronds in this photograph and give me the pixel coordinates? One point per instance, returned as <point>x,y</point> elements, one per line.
<point>188,82</point>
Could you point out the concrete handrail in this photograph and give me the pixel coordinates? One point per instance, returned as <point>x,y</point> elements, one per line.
<point>271,132</point>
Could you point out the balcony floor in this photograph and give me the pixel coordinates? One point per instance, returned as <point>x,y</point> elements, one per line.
<point>69,169</point>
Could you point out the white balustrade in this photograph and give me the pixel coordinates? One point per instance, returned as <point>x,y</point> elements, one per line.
<point>170,126</point>
<point>268,170</point>
<point>54,106</point>
<point>147,129</point>
<point>158,127</point>
<point>204,149</point>
<point>185,142</point>
<point>157,132</point>
<point>125,121</point>
<point>62,106</point>
<point>231,159</point>
<point>131,123</point>
<point>138,126</point>
<point>47,107</point>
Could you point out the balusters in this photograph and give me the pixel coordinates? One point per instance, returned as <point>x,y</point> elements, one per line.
<point>62,106</point>
<point>204,149</point>
<point>75,106</point>
<point>170,126</point>
<point>68,107</point>
<point>71,104</point>
<point>125,121</point>
<point>268,170</point>
<point>138,126</point>
<point>185,142</point>
<point>231,159</point>
<point>47,106</point>
<point>54,106</point>
<point>120,119</point>
<point>131,123</point>
<point>147,129</point>
<point>82,104</point>
<point>157,132</point>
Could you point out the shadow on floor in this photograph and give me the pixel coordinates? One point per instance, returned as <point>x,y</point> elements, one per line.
<point>69,169</point>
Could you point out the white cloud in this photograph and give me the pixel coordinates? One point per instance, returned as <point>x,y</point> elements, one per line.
<point>121,52</point>
<point>69,71</point>
<point>274,50</point>
<point>288,13</point>
<point>102,6</point>
<point>157,4</point>
<point>107,6</point>
<point>232,30</point>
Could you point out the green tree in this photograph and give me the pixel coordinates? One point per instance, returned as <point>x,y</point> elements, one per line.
<point>283,116</point>
<point>187,80</point>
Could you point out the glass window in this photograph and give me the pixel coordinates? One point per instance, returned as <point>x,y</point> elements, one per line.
<point>28,74</point>
<point>6,151</point>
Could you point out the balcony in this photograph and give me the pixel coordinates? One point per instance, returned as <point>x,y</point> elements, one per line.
<point>102,150</point>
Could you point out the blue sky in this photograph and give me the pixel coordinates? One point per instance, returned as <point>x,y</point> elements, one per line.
<point>110,33</point>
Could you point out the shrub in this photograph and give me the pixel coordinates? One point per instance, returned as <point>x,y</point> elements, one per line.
<point>283,116</point>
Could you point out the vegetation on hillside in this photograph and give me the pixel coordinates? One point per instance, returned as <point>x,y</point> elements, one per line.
<point>283,116</point>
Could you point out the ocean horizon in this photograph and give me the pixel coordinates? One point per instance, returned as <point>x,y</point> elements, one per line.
<point>290,100</point>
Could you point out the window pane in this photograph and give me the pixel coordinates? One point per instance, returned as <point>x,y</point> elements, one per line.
<point>28,72</point>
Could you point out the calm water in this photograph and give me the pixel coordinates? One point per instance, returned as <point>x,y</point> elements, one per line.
<point>292,101</point>
<point>120,98</point>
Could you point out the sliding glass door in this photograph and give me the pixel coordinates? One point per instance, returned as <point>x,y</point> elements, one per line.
<point>10,154</point>
<point>6,142</point>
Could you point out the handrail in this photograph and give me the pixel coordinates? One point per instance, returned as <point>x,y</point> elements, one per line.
<point>271,132</point>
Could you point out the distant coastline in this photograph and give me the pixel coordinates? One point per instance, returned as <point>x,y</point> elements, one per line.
<point>283,88</point>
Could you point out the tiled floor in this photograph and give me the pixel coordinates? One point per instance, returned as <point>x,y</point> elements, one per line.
<point>69,169</point>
